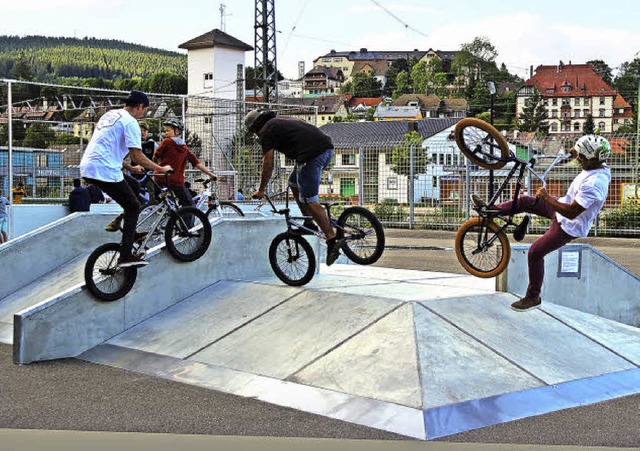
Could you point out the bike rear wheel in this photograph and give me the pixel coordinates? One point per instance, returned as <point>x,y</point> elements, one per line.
<point>481,143</point>
<point>188,234</point>
<point>292,259</point>
<point>475,254</point>
<point>227,209</point>
<point>104,278</point>
<point>363,234</point>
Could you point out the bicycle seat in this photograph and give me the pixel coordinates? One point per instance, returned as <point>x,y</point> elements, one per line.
<point>329,204</point>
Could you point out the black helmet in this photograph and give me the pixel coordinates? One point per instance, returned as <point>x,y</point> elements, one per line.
<point>255,119</point>
<point>173,122</point>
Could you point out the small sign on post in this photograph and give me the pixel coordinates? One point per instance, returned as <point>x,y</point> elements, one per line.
<point>570,262</point>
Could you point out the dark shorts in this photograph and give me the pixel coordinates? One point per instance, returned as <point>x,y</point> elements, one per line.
<point>306,176</point>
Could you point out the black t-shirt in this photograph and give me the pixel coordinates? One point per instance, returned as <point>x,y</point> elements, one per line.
<point>295,138</point>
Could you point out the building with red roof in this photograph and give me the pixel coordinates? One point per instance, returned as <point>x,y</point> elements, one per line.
<point>572,91</point>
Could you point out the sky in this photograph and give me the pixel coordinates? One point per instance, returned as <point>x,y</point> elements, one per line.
<point>524,33</point>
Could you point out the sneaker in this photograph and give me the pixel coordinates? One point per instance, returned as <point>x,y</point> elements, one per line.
<point>114,225</point>
<point>333,250</point>
<point>478,201</point>
<point>131,261</point>
<point>526,303</point>
<point>521,229</point>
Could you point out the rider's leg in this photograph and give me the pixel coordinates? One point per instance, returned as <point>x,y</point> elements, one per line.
<point>122,193</point>
<point>553,239</point>
<point>528,204</point>
<point>305,185</point>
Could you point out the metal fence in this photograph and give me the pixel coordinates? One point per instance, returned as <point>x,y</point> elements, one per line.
<point>424,184</point>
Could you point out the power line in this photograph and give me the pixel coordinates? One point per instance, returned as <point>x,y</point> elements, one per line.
<point>295,24</point>
<point>406,25</point>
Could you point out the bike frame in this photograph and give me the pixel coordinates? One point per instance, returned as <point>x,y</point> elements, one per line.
<point>297,221</point>
<point>520,167</point>
<point>165,208</point>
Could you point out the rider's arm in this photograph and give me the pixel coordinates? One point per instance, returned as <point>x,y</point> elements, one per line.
<point>145,162</point>
<point>204,169</point>
<point>569,211</point>
<point>267,170</point>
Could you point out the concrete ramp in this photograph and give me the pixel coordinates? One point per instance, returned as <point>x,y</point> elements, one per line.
<point>69,320</point>
<point>417,353</point>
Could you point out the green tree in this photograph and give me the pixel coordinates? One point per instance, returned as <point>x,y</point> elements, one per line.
<point>420,77</point>
<point>589,125</point>
<point>38,135</point>
<point>368,115</point>
<point>21,68</point>
<point>481,99</point>
<point>603,70</point>
<point>365,84</point>
<point>399,65</point>
<point>627,82</point>
<point>534,115</point>
<point>402,85</point>
<point>167,83</point>
<point>401,157</point>
<point>4,135</point>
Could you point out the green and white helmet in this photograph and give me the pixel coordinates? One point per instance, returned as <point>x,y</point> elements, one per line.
<point>593,146</point>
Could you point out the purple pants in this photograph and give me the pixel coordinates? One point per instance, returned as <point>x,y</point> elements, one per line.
<point>553,239</point>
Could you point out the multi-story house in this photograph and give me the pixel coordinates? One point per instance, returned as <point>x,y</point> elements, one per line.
<point>360,105</point>
<point>352,62</point>
<point>570,92</point>
<point>622,113</point>
<point>316,110</point>
<point>397,113</point>
<point>322,81</point>
<point>290,88</point>
<point>432,106</point>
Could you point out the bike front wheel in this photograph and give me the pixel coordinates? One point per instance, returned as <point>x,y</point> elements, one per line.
<point>188,234</point>
<point>481,143</point>
<point>363,235</point>
<point>226,210</point>
<point>292,259</point>
<point>482,248</point>
<point>104,278</point>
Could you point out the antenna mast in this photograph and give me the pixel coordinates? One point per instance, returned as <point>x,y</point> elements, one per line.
<point>265,66</point>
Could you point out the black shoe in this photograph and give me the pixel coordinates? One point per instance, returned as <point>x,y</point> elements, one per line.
<point>521,229</point>
<point>526,304</point>
<point>333,250</point>
<point>139,236</point>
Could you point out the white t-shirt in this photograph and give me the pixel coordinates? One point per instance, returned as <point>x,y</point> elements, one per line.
<point>590,190</point>
<point>115,133</point>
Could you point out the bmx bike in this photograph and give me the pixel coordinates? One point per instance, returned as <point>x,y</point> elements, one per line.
<point>481,243</point>
<point>291,256</point>
<point>186,232</point>
<point>208,201</point>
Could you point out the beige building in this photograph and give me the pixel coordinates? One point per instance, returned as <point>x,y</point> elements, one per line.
<point>570,92</point>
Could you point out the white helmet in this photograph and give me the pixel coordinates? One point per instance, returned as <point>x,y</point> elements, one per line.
<point>593,146</point>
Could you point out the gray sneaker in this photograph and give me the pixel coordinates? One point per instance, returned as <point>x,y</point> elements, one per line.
<point>478,201</point>
<point>526,303</point>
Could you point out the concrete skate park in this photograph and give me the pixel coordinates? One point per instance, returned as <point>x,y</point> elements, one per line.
<point>421,354</point>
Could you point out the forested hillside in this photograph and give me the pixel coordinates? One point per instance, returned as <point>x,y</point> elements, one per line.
<point>58,59</point>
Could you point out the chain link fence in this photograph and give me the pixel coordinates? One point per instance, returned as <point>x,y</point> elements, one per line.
<point>419,183</point>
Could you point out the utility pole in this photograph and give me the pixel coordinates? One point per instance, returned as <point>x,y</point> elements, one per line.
<point>265,65</point>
